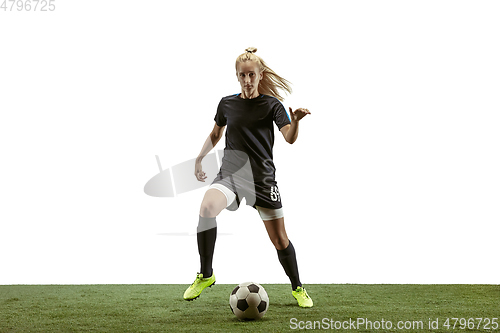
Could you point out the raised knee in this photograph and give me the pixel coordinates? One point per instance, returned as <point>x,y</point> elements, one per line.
<point>208,209</point>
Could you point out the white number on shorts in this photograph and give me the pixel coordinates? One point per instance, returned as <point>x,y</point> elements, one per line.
<point>275,194</point>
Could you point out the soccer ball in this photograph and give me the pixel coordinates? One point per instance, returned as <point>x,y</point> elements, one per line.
<point>249,301</point>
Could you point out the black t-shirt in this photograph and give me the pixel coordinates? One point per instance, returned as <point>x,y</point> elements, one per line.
<point>250,132</point>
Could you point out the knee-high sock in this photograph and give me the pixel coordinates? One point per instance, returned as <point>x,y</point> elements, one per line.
<point>289,262</point>
<point>207,234</point>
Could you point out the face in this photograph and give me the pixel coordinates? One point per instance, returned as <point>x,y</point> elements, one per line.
<point>249,76</point>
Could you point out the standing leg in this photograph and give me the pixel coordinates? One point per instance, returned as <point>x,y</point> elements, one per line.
<point>286,252</point>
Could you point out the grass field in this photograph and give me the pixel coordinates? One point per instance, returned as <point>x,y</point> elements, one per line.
<point>160,308</point>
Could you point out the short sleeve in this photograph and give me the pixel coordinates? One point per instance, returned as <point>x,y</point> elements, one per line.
<point>220,118</point>
<point>280,116</point>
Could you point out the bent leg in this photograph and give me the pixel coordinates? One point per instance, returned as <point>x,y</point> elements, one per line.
<point>213,203</point>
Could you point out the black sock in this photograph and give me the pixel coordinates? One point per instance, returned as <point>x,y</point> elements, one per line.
<point>289,262</point>
<point>207,234</point>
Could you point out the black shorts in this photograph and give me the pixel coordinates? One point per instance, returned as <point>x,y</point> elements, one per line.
<point>264,194</point>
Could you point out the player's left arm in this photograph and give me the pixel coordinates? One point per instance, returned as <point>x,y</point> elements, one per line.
<point>291,131</point>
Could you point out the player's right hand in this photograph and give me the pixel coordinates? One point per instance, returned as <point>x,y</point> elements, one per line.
<point>199,173</point>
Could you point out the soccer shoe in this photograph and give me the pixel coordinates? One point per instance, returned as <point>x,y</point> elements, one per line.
<point>302,297</point>
<point>198,286</point>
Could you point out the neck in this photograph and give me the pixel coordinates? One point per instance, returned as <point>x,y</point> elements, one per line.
<point>249,95</point>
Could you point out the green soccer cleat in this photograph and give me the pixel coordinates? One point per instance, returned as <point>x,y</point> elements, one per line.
<point>302,297</point>
<point>194,290</point>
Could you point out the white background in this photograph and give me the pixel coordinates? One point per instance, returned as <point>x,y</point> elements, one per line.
<point>394,177</point>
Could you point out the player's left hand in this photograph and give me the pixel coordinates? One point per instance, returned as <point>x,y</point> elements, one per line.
<point>299,113</point>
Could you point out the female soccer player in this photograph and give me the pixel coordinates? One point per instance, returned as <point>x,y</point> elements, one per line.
<point>247,168</point>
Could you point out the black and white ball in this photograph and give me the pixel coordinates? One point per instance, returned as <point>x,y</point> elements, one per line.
<point>249,301</point>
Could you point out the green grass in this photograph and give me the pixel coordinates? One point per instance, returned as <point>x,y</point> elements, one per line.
<point>160,308</point>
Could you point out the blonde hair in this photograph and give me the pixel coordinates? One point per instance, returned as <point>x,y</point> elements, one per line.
<point>270,81</point>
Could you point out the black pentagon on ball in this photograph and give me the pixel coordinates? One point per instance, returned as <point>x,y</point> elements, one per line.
<point>235,290</point>
<point>242,304</point>
<point>262,306</point>
<point>253,288</point>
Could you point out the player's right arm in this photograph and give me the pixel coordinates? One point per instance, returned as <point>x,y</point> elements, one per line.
<point>211,141</point>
